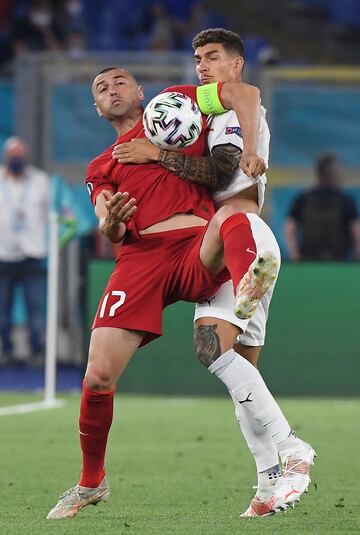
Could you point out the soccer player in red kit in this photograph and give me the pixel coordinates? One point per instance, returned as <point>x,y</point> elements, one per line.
<point>220,56</point>
<point>173,248</point>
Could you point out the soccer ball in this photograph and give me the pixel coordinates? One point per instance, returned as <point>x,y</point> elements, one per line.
<point>172,121</point>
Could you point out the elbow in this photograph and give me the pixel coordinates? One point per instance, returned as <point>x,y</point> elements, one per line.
<point>253,89</point>
<point>234,92</point>
<point>251,93</point>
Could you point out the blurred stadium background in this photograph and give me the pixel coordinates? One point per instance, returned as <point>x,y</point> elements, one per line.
<point>305,56</point>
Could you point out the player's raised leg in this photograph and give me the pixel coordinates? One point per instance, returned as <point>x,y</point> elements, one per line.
<point>110,351</point>
<point>229,241</point>
<point>255,283</point>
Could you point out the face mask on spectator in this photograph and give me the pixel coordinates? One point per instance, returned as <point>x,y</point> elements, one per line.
<point>16,165</point>
<point>41,19</point>
<point>74,8</point>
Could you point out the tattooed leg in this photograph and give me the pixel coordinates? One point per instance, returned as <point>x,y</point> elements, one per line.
<point>207,344</point>
<point>213,339</point>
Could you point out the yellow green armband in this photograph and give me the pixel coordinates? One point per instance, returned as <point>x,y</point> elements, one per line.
<point>208,99</point>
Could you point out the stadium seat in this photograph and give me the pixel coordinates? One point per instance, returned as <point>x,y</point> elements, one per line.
<point>345,13</point>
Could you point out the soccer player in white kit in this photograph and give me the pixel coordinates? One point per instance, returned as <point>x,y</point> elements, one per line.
<point>219,56</point>
<point>230,347</point>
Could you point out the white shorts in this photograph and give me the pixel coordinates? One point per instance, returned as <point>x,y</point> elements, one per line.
<point>221,306</point>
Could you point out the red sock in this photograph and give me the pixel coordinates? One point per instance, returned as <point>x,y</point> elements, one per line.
<point>239,245</point>
<point>96,413</point>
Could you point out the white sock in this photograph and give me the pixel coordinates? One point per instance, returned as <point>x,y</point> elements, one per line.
<point>258,439</point>
<point>269,477</point>
<point>249,391</point>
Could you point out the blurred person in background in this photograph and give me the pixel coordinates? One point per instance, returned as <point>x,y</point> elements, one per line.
<point>323,223</point>
<point>76,45</point>
<point>5,34</point>
<point>39,28</point>
<point>200,17</point>
<point>161,33</point>
<point>24,195</point>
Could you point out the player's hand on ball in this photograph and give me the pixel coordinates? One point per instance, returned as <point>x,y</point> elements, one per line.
<point>136,151</point>
<point>120,209</point>
<point>252,165</point>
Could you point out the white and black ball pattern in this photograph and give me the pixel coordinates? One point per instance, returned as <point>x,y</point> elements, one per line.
<point>172,120</point>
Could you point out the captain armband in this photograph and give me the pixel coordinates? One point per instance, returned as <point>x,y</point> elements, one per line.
<point>208,99</point>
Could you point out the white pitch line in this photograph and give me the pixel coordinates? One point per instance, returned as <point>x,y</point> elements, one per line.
<point>32,407</point>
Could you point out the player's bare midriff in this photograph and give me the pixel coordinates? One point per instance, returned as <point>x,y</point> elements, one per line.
<point>247,200</point>
<point>174,222</point>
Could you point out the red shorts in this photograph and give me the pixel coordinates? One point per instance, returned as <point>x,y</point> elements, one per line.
<point>155,271</point>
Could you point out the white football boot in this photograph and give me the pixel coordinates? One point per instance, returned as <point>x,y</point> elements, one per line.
<point>256,281</point>
<point>267,501</point>
<point>296,473</point>
<point>78,497</point>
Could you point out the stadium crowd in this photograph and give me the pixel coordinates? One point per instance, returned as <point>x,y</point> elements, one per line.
<point>75,26</point>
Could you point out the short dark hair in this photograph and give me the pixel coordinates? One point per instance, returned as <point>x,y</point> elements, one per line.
<point>324,162</point>
<point>230,40</point>
<point>106,70</point>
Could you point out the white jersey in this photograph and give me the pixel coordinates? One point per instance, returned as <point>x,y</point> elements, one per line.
<point>223,129</point>
<point>24,215</point>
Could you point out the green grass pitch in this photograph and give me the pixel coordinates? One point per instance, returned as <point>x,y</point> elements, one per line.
<point>176,466</point>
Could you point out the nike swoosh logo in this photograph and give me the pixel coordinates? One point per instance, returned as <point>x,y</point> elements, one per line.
<point>84,434</point>
<point>250,251</point>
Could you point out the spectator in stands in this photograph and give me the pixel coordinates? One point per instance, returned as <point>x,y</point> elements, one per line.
<point>24,197</point>
<point>201,17</point>
<point>5,33</point>
<point>76,45</point>
<point>161,35</point>
<point>39,29</point>
<point>74,12</point>
<point>323,222</point>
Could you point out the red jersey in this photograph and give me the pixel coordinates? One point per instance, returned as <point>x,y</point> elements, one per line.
<point>159,193</point>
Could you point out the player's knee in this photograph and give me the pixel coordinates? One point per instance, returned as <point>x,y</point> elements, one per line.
<point>99,378</point>
<point>226,211</point>
<point>99,383</point>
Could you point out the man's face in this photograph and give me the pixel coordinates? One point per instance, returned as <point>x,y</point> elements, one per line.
<point>16,156</point>
<point>116,94</point>
<point>215,64</point>
<point>17,149</point>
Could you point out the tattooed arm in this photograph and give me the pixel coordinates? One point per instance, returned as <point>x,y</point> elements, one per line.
<point>215,171</point>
